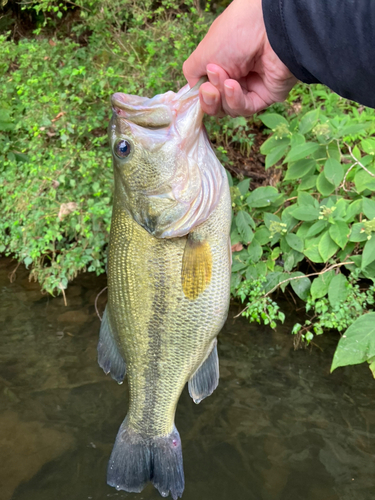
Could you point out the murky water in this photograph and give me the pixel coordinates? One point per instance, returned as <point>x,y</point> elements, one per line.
<point>279,427</point>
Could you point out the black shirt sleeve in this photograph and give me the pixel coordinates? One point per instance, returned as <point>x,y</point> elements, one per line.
<point>326,41</point>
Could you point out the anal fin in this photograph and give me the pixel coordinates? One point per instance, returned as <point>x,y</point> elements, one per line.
<point>109,357</point>
<point>206,378</point>
<point>196,267</point>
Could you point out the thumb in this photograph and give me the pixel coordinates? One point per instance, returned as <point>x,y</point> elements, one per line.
<point>194,67</point>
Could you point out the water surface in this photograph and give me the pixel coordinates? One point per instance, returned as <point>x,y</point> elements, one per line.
<point>279,426</point>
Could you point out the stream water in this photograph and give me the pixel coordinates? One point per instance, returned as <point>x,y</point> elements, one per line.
<point>279,426</point>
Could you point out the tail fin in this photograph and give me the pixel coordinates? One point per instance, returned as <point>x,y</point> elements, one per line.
<point>136,460</point>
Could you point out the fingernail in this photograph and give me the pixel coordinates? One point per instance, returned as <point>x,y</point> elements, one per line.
<point>213,77</point>
<point>209,99</point>
<point>228,91</point>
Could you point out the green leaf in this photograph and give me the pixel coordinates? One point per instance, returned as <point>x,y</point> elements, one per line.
<point>333,171</point>
<point>319,287</point>
<point>243,186</point>
<point>262,235</point>
<point>357,234</point>
<point>306,199</point>
<point>327,247</point>
<point>308,121</point>
<point>305,213</point>
<point>255,251</point>
<point>368,145</point>
<point>316,228</point>
<point>303,229</point>
<point>273,142</point>
<point>273,279</point>
<point>251,272</point>
<point>352,129</point>
<point>368,207</point>
<point>235,236</point>
<point>6,124</point>
<point>339,232</point>
<point>273,120</point>
<point>357,344</point>
<point>344,254</point>
<point>371,363</point>
<point>300,169</point>
<point>363,180</point>
<point>288,219</point>
<point>262,197</point>
<point>369,272</point>
<point>21,157</point>
<point>243,226</point>
<point>341,206</point>
<point>295,242</point>
<point>230,178</point>
<point>333,151</point>
<point>301,286</point>
<point>275,253</point>
<point>337,289</point>
<point>288,259</point>
<point>320,153</point>
<point>312,253</point>
<point>368,254</point>
<point>301,151</point>
<point>268,218</point>
<point>308,182</point>
<point>275,155</point>
<point>296,140</point>
<point>323,185</point>
<point>238,266</point>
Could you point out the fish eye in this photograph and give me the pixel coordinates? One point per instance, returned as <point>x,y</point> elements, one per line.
<point>122,148</point>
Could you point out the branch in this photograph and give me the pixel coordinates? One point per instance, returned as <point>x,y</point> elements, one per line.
<point>356,162</point>
<point>298,278</point>
<point>309,275</point>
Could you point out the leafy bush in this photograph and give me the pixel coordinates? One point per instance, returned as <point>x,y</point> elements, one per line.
<point>55,166</point>
<point>314,231</point>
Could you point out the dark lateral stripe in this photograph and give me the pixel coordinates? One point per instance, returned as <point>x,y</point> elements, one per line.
<point>155,328</point>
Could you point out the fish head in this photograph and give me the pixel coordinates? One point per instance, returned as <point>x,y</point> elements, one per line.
<point>166,174</point>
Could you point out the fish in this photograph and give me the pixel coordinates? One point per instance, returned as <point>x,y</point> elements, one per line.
<point>168,269</point>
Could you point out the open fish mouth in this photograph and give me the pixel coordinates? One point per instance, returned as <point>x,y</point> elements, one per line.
<point>155,112</point>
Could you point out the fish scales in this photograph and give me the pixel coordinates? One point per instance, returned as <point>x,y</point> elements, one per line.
<point>179,331</point>
<point>168,281</point>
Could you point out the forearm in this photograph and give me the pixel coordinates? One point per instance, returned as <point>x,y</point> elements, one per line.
<point>326,41</point>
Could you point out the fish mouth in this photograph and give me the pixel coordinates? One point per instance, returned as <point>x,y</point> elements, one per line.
<point>139,110</point>
<point>157,112</point>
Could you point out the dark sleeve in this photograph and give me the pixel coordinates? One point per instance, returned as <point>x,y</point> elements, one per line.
<point>326,41</point>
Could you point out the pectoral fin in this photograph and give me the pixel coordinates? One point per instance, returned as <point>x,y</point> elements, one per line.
<point>206,378</point>
<point>196,267</point>
<point>109,357</point>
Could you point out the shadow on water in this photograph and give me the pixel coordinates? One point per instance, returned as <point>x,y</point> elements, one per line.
<point>279,427</point>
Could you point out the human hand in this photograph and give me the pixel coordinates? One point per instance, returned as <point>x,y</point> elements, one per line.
<point>245,74</point>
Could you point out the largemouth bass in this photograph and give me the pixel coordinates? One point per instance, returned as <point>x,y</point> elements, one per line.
<point>168,278</point>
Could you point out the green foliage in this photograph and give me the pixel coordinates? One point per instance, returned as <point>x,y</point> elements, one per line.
<point>258,308</point>
<point>314,231</point>
<point>358,344</point>
<point>235,132</point>
<point>55,165</point>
